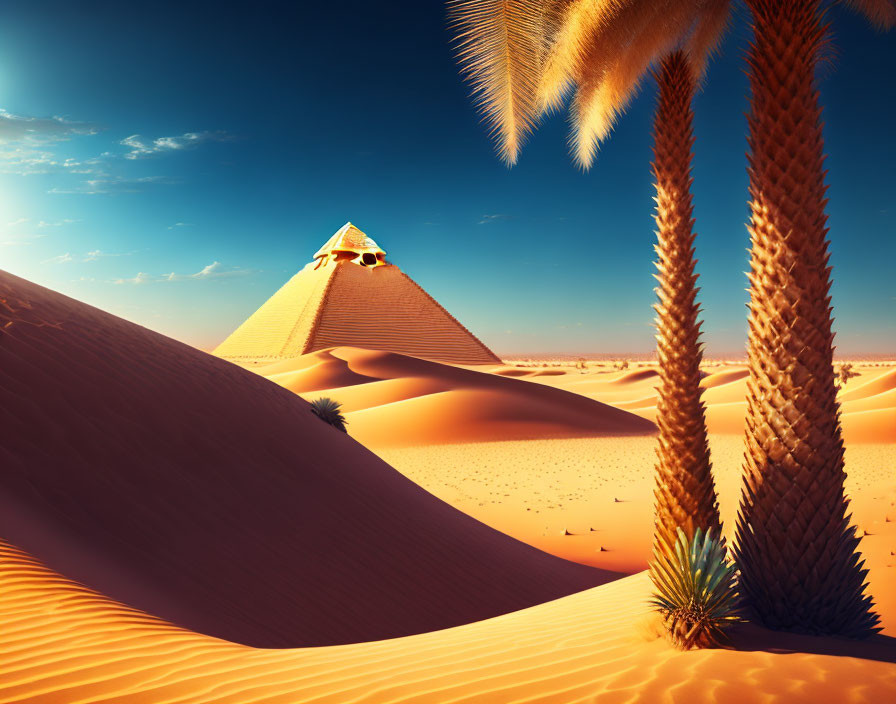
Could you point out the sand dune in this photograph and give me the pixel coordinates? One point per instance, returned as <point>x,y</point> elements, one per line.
<point>634,377</point>
<point>64,644</point>
<point>394,400</point>
<point>879,385</point>
<point>868,404</point>
<point>729,376</point>
<point>591,499</point>
<point>185,486</point>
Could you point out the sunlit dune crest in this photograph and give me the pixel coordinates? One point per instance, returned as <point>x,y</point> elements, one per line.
<point>394,400</point>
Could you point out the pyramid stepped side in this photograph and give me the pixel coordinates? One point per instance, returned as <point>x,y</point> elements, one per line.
<point>384,309</point>
<point>282,326</point>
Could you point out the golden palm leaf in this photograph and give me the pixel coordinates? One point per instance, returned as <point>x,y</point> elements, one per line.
<point>616,62</point>
<point>502,46</point>
<point>581,22</point>
<point>880,12</point>
<point>707,34</point>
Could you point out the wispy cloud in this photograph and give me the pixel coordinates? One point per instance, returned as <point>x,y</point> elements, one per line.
<point>215,270</point>
<point>27,144</point>
<point>95,254</point>
<point>19,221</point>
<point>19,239</point>
<point>112,185</point>
<point>141,278</point>
<point>32,145</point>
<point>486,219</point>
<point>91,256</point>
<point>61,259</point>
<point>180,224</point>
<point>38,130</point>
<point>56,223</point>
<point>142,148</point>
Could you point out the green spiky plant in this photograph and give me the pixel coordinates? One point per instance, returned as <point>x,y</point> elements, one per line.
<point>328,411</point>
<point>696,591</point>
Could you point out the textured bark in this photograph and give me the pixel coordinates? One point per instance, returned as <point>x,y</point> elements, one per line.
<point>685,495</point>
<point>796,551</point>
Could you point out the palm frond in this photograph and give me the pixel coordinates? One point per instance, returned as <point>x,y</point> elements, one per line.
<point>501,46</point>
<point>581,21</point>
<point>707,34</point>
<point>881,13</point>
<point>696,590</point>
<point>616,62</point>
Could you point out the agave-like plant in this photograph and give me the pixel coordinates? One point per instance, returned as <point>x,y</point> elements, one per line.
<point>328,411</point>
<point>696,591</point>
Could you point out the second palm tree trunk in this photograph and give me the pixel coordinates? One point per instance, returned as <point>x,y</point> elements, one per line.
<point>685,495</point>
<point>795,549</point>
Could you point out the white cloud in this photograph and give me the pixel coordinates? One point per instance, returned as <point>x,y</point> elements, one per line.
<point>111,185</point>
<point>26,142</point>
<point>19,221</point>
<point>95,254</point>
<point>91,256</point>
<point>61,259</point>
<point>140,278</point>
<point>142,148</point>
<point>57,223</point>
<point>17,128</point>
<point>17,240</point>
<point>486,219</point>
<point>212,271</point>
<point>180,224</point>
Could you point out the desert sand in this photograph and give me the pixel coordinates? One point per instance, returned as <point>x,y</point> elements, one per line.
<point>586,495</point>
<point>184,486</point>
<point>394,400</point>
<point>62,643</point>
<point>163,511</point>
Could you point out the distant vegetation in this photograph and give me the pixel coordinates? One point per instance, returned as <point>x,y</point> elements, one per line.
<point>328,411</point>
<point>846,373</point>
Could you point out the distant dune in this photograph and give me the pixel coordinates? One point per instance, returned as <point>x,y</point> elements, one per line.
<point>395,400</point>
<point>868,401</point>
<point>187,487</point>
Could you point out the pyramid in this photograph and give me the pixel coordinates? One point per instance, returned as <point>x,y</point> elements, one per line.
<point>350,295</point>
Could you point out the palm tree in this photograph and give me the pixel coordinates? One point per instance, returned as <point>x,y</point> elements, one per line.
<point>521,58</point>
<point>796,551</point>
<point>685,496</point>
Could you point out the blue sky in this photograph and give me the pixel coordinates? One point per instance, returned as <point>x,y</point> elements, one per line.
<point>176,164</point>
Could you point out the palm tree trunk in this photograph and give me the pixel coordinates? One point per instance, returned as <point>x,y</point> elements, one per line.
<point>796,552</point>
<point>685,495</point>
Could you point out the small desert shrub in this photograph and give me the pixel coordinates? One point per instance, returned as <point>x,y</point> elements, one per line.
<point>846,373</point>
<point>328,411</point>
<point>696,591</point>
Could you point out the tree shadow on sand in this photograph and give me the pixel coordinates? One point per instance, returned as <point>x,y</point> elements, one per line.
<point>748,637</point>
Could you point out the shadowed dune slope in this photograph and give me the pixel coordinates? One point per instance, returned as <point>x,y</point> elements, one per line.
<point>394,400</point>
<point>194,490</point>
<point>63,644</point>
